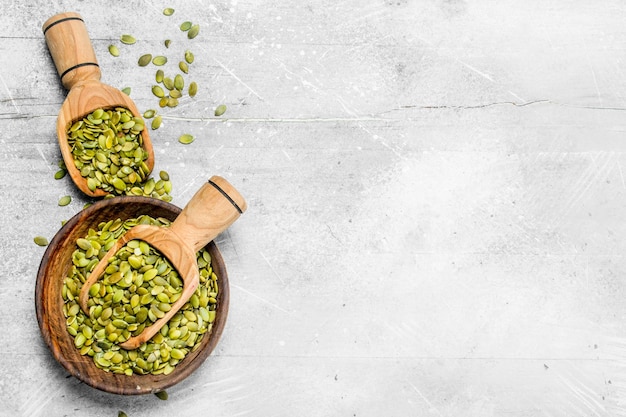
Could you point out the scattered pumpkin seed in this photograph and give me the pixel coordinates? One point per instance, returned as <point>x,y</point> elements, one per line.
<point>164,176</point>
<point>193,89</point>
<point>159,60</point>
<point>186,139</point>
<point>172,102</point>
<point>167,43</point>
<point>156,123</point>
<point>158,91</point>
<point>189,56</point>
<point>163,102</point>
<point>126,90</point>
<point>168,11</point>
<point>193,31</point>
<point>144,60</point>
<point>168,83</point>
<point>41,241</point>
<point>161,395</point>
<point>159,76</point>
<point>179,82</point>
<point>121,414</point>
<point>185,26</point>
<point>220,110</point>
<point>114,50</point>
<point>176,94</point>
<point>184,67</point>
<point>65,200</point>
<point>60,174</point>
<point>128,39</point>
<point>149,114</point>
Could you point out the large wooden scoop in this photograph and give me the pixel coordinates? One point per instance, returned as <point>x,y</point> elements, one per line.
<point>76,64</point>
<point>209,212</point>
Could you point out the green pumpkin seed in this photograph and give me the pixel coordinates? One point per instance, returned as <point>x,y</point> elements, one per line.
<point>144,60</point>
<point>183,67</point>
<point>163,102</point>
<point>186,139</point>
<point>126,90</point>
<point>167,43</point>
<point>164,176</point>
<point>128,39</point>
<point>149,114</point>
<point>168,83</point>
<point>161,395</point>
<point>193,89</point>
<point>65,200</point>
<point>220,110</point>
<point>158,91</point>
<point>113,50</point>
<point>159,76</point>
<point>189,56</point>
<point>60,174</point>
<point>168,11</point>
<point>185,26</point>
<point>156,123</point>
<point>121,414</point>
<point>41,241</point>
<point>159,60</point>
<point>179,82</point>
<point>193,31</point>
<point>172,102</point>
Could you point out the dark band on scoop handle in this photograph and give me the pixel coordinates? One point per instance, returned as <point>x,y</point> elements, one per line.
<point>217,187</point>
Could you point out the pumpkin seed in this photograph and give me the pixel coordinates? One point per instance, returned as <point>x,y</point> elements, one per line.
<point>220,110</point>
<point>164,175</point>
<point>121,414</point>
<point>193,89</point>
<point>193,31</point>
<point>176,94</point>
<point>167,43</point>
<point>113,50</point>
<point>161,395</point>
<point>41,241</point>
<point>159,76</point>
<point>189,56</point>
<point>156,123</point>
<point>179,82</point>
<point>65,200</point>
<point>128,39</point>
<point>168,83</point>
<point>144,60</point>
<point>168,11</point>
<point>158,91</point>
<point>185,26</point>
<point>183,67</point>
<point>159,60</point>
<point>149,114</point>
<point>172,102</point>
<point>126,90</point>
<point>186,139</point>
<point>60,174</point>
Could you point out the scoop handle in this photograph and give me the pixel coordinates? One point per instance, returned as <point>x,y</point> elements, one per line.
<point>71,50</point>
<point>214,207</point>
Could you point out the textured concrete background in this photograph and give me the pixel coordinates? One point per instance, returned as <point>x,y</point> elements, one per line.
<point>436,199</point>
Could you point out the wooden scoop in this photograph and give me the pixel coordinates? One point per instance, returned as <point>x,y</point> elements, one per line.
<point>209,212</point>
<point>76,64</point>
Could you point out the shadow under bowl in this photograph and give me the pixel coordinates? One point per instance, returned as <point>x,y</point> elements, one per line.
<point>54,267</point>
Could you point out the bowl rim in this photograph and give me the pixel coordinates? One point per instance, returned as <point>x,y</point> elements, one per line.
<point>110,382</point>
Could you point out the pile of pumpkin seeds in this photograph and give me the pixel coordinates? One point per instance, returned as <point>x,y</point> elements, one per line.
<point>139,285</point>
<point>107,148</point>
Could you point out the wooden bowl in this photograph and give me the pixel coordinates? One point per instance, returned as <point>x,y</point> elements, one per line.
<point>54,266</point>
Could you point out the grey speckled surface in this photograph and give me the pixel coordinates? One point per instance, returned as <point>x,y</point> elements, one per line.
<point>436,199</point>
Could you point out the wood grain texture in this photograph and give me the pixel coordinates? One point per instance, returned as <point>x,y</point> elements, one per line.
<point>435,190</point>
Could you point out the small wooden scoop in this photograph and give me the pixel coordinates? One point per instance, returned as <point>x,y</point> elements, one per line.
<point>209,212</point>
<point>76,64</point>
